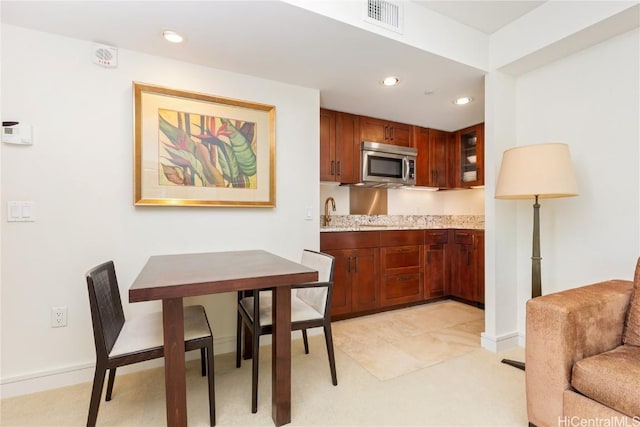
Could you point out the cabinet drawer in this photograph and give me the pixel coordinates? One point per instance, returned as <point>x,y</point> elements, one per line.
<point>349,240</point>
<point>463,237</point>
<point>401,237</point>
<point>435,237</point>
<point>401,288</point>
<point>400,257</point>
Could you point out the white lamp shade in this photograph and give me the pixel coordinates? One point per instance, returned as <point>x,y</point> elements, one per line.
<point>542,170</point>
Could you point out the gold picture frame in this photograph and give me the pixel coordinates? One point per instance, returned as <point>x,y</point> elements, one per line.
<point>193,149</point>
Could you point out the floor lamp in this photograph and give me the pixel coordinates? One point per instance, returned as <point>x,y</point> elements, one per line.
<point>536,172</point>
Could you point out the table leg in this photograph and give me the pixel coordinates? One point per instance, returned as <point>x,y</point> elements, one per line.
<point>281,358</point>
<point>174,369</point>
<point>247,342</point>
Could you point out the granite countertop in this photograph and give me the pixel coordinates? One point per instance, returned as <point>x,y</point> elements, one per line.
<point>402,222</point>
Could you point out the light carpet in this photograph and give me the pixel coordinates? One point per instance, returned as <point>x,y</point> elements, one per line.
<point>471,389</point>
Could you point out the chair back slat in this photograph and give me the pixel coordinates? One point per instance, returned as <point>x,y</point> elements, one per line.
<point>317,297</point>
<point>107,315</point>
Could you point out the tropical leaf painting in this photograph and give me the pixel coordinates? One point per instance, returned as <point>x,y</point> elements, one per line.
<point>206,151</point>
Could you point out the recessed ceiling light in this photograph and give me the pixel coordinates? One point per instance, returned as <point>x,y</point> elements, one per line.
<point>172,36</point>
<point>390,81</point>
<point>464,100</point>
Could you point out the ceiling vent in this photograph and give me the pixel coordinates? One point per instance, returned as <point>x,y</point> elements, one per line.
<point>384,13</point>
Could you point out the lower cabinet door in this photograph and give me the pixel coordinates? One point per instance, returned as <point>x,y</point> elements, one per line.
<point>356,286</point>
<point>435,271</point>
<point>365,287</point>
<point>341,295</point>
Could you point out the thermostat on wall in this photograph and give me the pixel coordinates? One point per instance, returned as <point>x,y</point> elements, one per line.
<point>16,133</point>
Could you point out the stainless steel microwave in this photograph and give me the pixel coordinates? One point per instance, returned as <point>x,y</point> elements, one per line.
<point>388,165</point>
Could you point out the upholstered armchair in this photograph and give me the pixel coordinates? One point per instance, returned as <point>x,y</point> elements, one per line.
<point>583,355</point>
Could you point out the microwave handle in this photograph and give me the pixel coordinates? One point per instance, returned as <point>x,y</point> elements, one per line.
<point>405,169</point>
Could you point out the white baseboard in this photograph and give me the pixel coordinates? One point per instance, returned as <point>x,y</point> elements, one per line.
<point>500,343</point>
<point>70,375</point>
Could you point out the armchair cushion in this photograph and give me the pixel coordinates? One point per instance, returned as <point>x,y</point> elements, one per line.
<point>632,326</point>
<point>611,378</point>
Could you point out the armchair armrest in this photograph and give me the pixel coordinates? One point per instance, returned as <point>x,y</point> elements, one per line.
<point>563,328</point>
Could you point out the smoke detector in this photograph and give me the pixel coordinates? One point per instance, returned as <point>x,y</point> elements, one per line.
<point>104,55</point>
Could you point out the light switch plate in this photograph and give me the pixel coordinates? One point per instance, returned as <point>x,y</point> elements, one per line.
<point>14,211</point>
<point>19,211</point>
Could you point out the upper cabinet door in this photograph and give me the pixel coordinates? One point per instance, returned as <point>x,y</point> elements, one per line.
<point>470,156</point>
<point>400,134</point>
<point>347,148</point>
<point>374,130</point>
<point>327,145</point>
<point>339,147</point>
<point>384,131</point>
<point>439,142</point>
<point>421,143</point>
<point>433,157</point>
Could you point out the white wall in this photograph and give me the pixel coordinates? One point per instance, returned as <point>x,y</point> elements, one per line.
<point>79,173</point>
<point>590,100</point>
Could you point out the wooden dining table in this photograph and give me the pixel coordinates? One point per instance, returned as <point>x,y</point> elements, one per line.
<point>170,278</point>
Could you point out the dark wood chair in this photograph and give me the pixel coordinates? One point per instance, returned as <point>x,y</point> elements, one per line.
<point>310,308</point>
<point>121,342</point>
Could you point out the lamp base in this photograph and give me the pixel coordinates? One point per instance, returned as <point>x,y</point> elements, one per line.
<point>514,363</point>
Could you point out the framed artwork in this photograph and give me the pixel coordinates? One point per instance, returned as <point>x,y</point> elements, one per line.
<point>193,149</point>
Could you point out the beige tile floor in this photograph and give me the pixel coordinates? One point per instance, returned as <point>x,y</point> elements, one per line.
<point>399,342</point>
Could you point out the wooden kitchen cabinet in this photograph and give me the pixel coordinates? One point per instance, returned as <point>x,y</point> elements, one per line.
<point>384,131</point>
<point>355,281</point>
<point>400,278</point>
<point>467,265</point>
<point>436,264</point>
<point>470,156</point>
<point>401,266</point>
<point>339,147</point>
<point>433,164</point>
<point>356,273</point>
<point>380,270</point>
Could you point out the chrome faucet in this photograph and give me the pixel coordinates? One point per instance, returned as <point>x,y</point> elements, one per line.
<point>327,214</point>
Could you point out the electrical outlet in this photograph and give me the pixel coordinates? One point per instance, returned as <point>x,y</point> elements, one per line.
<point>58,317</point>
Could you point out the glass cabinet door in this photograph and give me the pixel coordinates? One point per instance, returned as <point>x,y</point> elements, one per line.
<point>469,158</point>
<point>470,146</point>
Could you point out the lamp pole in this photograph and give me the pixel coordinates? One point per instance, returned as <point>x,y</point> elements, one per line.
<point>536,280</point>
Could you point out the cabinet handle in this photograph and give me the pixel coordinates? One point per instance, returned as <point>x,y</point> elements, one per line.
<point>393,133</point>
<point>338,169</point>
<point>333,167</point>
<point>356,263</point>
<point>386,132</point>
<point>349,265</point>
